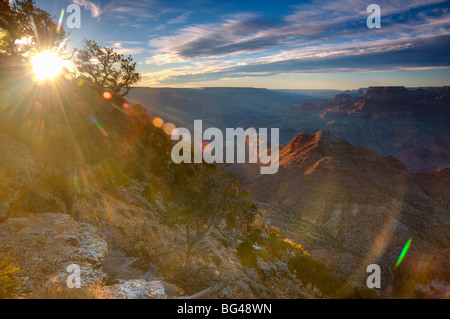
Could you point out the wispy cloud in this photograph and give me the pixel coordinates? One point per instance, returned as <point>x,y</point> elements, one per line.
<point>94,8</point>
<point>235,35</point>
<point>131,9</point>
<point>129,48</point>
<point>381,56</point>
<point>180,19</point>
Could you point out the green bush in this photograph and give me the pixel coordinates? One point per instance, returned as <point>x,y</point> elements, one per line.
<point>313,272</point>
<point>307,269</point>
<point>328,284</point>
<point>276,247</point>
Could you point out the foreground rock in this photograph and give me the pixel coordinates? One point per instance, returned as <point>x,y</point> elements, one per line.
<point>46,244</point>
<point>137,289</point>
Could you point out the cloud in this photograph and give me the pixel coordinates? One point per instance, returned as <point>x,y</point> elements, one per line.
<point>125,42</point>
<point>118,47</point>
<point>310,23</point>
<point>401,55</point>
<point>179,19</point>
<point>235,35</point>
<point>130,51</point>
<point>95,9</point>
<point>325,36</point>
<point>427,52</point>
<point>126,10</point>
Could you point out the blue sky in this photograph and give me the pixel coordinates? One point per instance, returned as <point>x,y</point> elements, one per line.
<point>272,44</point>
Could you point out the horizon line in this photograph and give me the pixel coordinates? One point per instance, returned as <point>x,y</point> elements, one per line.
<point>315,89</point>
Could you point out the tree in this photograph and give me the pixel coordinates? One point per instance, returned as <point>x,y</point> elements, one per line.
<point>307,269</point>
<point>328,284</point>
<point>26,28</point>
<point>106,68</point>
<point>317,274</point>
<point>207,198</point>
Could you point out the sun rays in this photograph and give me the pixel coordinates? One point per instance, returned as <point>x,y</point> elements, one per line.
<point>47,65</point>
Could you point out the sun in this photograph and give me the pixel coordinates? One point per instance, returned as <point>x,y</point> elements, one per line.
<point>47,65</point>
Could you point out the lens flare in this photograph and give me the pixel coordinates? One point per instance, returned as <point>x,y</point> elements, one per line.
<point>61,17</point>
<point>403,253</point>
<point>107,95</point>
<point>168,128</point>
<point>98,125</point>
<point>46,65</point>
<point>206,147</point>
<point>158,122</point>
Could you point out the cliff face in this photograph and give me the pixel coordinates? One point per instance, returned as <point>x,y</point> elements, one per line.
<point>409,124</point>
<point>352,207</point>
<point>379,102</point>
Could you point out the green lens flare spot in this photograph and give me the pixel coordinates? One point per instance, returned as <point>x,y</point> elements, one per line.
<point>403,253</point>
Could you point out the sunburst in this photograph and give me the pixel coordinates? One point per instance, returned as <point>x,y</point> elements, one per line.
<point>47,65</point>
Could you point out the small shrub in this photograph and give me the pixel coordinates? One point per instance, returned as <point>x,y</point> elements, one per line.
<point>8,282</point>
<point>275,232</point>
<point>196,278</point>
<point>247,253</point>
<point>275,246</point>
<point>328,284</point>
<point>151,193</point>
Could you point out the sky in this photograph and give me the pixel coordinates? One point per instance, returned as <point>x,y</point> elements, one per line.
<point>271,44</point>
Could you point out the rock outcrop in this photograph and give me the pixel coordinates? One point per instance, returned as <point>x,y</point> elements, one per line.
<point>49,243</point>
<point>137,289</point>
<point>44,245</point>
